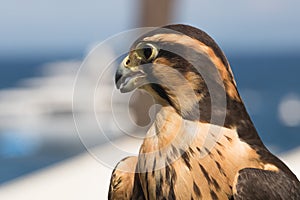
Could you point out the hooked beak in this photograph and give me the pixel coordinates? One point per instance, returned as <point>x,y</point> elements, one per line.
<point>129,78</point>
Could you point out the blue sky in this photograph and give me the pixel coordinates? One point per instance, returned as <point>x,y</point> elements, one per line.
<point>44,25</point>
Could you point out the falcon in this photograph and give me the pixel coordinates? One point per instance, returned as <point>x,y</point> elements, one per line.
<point>202,143</point>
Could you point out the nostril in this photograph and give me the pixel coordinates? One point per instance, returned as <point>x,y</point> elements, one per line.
<point>127,61</point>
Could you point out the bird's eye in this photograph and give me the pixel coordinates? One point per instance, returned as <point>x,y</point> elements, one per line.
<point>146,51</point>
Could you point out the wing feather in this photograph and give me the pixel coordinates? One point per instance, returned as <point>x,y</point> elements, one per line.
<point>263,184</point>
<point>124,182</point>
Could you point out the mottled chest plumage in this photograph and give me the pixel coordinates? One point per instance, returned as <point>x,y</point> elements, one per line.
<point>191,160</point>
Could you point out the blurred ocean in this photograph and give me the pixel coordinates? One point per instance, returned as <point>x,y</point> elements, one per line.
<point>269,85</point>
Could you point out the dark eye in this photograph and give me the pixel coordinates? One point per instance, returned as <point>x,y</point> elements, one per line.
<point>146,51</point>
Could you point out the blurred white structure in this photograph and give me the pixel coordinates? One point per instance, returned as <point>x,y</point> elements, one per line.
<point>289,110</point>
<point>41,105</point>
<point>79,178</point>
<point>41,108</point>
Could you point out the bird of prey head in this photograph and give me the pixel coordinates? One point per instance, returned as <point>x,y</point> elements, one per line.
<point>183,67</point>
<point>188,74</point>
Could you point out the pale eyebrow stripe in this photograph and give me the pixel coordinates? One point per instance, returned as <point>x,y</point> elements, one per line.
<point>202,48</point>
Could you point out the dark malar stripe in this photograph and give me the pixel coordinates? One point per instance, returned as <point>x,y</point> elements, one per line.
<point>162,93</point>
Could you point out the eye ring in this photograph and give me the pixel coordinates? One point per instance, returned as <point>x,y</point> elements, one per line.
<point>146,51</point>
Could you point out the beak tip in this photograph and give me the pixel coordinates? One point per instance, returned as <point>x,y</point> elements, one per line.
<point>117,79</point>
